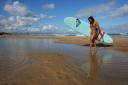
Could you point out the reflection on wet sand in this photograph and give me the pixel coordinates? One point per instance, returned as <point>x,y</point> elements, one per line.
<point>93,68</point>
<point>44,62</point>
<point>45,69</point>
<point>95,64</point>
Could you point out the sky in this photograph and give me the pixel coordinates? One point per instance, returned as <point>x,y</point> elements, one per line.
<point>47,16</point>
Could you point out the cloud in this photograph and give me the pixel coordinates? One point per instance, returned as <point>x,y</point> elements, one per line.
<point>119,12</point>
<point>95,10</point>
<point>19,22</point>
<point>21,17</point>
<point>16,8</point>
<point>13,22</point>
<point>49,6</point>
<point>49,27</point>
<point>71,30</point>
<point>3,22</point>
<point>44,29</point>
<point>34,30</point>
<point>122,11</point>
<point>44,16</point>
<point>121,28</point>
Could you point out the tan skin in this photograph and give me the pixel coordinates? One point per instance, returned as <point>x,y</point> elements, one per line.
<point>93,35</point>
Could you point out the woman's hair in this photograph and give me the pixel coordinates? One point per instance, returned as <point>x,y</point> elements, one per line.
<point>91,17</point>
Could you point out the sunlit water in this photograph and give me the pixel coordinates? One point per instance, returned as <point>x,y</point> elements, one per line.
<point>104,64</point>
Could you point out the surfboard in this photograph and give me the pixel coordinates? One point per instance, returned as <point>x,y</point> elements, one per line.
<point>84,28</point>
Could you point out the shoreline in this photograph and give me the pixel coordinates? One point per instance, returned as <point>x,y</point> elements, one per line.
<point>56,68</point>
<point>120,42</point>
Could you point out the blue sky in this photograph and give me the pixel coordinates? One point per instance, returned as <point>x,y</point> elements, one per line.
<point>48,15</point>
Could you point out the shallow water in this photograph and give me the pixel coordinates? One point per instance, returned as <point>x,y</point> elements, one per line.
<point>102,64</point>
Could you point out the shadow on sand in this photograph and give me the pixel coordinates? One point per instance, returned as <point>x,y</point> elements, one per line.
<point>99,45</point>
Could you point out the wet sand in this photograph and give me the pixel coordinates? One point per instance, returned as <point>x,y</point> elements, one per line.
<point>54,68</point>
<point>46,69</point>
<point>120,42</point>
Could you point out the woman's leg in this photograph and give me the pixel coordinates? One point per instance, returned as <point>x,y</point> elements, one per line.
<point>94,39</point>
<point>94,42</point>
<point>91,37</point>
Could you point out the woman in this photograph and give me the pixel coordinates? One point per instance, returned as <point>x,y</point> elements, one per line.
<point>95,31</point>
